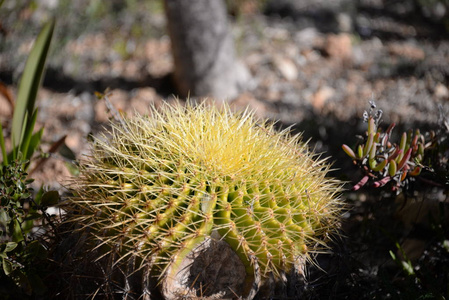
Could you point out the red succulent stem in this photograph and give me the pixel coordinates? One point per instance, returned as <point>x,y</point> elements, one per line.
<point>361,183</point>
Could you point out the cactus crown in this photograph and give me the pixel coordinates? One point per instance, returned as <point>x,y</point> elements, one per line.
<point>157,185</point>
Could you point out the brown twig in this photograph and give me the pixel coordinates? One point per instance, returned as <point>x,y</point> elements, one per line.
<point>52,149</point>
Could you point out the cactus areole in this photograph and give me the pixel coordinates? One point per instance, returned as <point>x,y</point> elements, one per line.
<point>156,186</point>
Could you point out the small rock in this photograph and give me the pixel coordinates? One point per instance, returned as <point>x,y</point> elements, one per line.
<point>338,46</point>
<point>408,50</point>
<point>75,141</point>
<point>307,38</point>
<point>276,33</point>
<point>286,67</point>
<point>144,98</point>
<point>158,57</point>
<point>321,96</point>
<point>247,100</point>
<point>441,91</point>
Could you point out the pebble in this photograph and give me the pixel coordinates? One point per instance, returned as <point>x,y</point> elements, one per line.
<point>286,67</point>
<point>339,46</point>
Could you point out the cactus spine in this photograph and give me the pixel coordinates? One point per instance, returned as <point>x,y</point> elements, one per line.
<point>156,186</point>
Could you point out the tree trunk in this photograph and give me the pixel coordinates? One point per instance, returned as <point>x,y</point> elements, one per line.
<point>203,49</point>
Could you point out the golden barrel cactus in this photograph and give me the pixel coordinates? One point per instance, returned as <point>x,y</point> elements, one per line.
<point>156,186</point>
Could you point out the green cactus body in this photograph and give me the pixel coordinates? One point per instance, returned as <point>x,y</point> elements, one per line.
<point>158,185</point>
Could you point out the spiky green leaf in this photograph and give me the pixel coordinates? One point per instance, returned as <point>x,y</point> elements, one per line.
<point>30,81</point>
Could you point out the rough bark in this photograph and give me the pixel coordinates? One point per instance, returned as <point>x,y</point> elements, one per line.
<point>203,49</point>
<point>214,271</point>
<point>211,271</point>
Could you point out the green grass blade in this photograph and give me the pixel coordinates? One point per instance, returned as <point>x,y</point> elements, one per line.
<point>3,146</point>
<point>27,134</point>
<point>34,142</point>
<point>15,153</point>
<point>31,80</point>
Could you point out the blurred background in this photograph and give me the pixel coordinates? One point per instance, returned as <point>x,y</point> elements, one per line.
<point>310,64</point>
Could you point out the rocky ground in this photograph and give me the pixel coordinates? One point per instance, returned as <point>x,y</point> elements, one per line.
<point>303,73</point>
<point>312,67</point>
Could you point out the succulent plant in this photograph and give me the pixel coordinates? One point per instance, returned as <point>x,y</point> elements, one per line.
<point>384,161</point>
<point>156,186</point>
